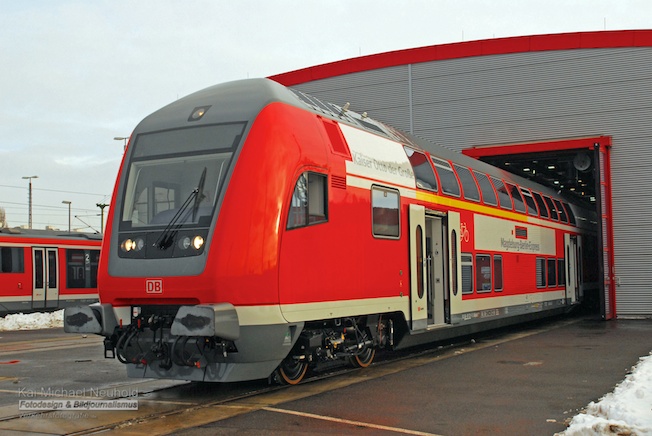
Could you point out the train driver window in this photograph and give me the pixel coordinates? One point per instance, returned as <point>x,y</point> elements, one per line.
<point>385,212</point>
<point>309,203</point>
<point>449,183</point>
<point>423,172</point>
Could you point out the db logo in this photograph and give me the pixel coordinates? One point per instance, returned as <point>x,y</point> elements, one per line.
<point>154,286</point>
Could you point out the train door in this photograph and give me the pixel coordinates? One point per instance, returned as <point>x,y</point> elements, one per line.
<point>438,299</point>
<point>572,270</point>
<point>418,295</point>
<point>45,292</point>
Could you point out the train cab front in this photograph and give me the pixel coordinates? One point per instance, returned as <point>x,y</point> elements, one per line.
<point>178,278</point>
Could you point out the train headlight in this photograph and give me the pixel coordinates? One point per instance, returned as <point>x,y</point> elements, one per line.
<point>197,242</point>
<point>135,244</point>
<point>184,243</point>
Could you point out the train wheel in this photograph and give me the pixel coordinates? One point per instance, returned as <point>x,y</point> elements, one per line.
<point>291,371</point>
<point>364,359</point>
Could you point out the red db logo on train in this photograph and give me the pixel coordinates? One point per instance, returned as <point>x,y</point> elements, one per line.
<point>154,286</point>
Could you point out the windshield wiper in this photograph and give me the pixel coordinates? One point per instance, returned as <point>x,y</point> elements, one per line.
<point>166,238</point>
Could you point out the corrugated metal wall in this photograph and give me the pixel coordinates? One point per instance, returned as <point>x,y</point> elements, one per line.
<point>533,96</point>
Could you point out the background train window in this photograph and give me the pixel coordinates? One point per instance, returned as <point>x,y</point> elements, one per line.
<point>385,212</point>
<point>449,184</point>
<point>12,260</point>
<point>543,210</point>
<point>503,197</point>
<point>541,272</point>
<point>498,273</point>
<point>551,208</point>
<point>467,273</point>
<point>81,268</point>
<point>488,194</point>
<point>482,273</point>
<point>469,187</point>
<point>422,170</point>
<point>309,203</point>
<point>552,272</point>
<point>519,204</point>
<point>531,207</point>
<point>561,211</point>
<point>561,272</point>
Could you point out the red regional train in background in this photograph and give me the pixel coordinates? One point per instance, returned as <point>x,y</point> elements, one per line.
<point>47,270</point>
<point>256,232</point>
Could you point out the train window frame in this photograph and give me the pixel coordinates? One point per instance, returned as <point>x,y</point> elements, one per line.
<point>551,208</point>
<point>543,209</point>
<point>468,278</point>
<point>540,271</point>
<point>551,266</point>
<point>450,185</point>
<point>483,273</point>
<point>561,272</point>
<point>470,189</point>
<point>424,174</point>
<point>529,201</point>
<point>486,189</point>
<point>12,260</point>
<point>503,193</point>
<point>560,210</point>
<point>497,266</point>
<point>381,227</point>
<point>517,198</point>
<point>309,202</point>
<point>82,275</point>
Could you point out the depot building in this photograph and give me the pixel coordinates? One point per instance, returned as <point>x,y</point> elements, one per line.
<point>571,111</point>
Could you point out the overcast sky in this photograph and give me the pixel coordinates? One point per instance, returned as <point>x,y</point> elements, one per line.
<point>74,74</point>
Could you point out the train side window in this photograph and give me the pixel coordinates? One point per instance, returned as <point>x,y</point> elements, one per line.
<point>551,208</point>
<point>498,273</point>
<point>449,183</point>
<point>519,204</point>
<point>81,269</point>
<point>543,210</point>
<point>385,212</point>
<point>561,272</point>
<point>423,172</point>
<point>467,273</point>
<point>562,212</point>
<point>482,273</point>
<point>569,211</point>
<point>488,194</point>
<point>12,260</point>
<point>309,203</point>
<point>541,272</point>
<point>552,272</point>
<point>469,187</point>
<point>529,200</point>
<point>503,196</point>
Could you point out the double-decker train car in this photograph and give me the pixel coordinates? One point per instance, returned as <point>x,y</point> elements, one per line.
<point>256,231</point>
<point>44,270</point>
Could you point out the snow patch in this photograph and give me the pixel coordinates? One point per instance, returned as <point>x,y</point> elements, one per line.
<point>31,321</point>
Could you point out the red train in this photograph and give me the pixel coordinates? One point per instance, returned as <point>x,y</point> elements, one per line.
<point>257,231</point>
<point>47,270</point>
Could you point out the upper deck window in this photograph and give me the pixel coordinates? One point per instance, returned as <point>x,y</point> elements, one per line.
<point>519,205</point>
<point>449,184</point>
<point>529,200</point>
<point>422,170</point>
<point>561,211</point>
<point>488,194</point>
<point>469,187</point>
<point>571,215</point>
<point>543,210</point>
<point>503,196</point>
<point>551,208</point>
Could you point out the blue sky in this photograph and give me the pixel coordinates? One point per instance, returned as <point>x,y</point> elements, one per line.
<point>77,73</point>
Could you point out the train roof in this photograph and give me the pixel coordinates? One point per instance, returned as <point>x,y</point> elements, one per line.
<point>58,234</point>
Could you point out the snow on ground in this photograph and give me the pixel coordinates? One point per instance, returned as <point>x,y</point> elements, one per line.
<point>31,321</point>
<point>625,411</point>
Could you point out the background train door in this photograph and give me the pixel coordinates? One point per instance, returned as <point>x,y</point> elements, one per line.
<point>572,269</point>
<point>45,292</point>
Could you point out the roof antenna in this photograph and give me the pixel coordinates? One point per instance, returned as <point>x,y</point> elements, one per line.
<point>345,108</point>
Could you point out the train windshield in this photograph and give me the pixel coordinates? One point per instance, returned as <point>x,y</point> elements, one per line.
<point>175,176</point>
